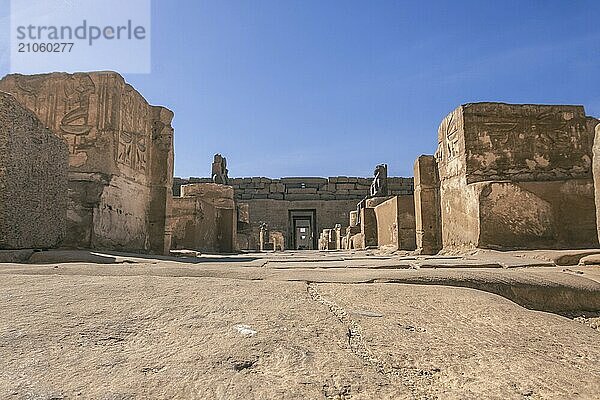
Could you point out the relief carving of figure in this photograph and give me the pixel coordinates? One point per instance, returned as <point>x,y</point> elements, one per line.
<point>78,90</point>
<point>133,137</point>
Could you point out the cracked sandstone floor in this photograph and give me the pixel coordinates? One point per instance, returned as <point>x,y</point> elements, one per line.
<point>164,330</point>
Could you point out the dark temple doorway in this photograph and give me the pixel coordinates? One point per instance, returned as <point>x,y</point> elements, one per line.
<point>303,223</point>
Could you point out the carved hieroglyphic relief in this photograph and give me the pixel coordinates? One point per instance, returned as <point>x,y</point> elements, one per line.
<point>133,136</point>
<point>75,122</point>
<point>548,131</point>
<point>448,135</point>
<point>109,102</point>
<point>162,135</point>
<point>526,142</point>
<point>78,89</point>
<point>84,107</point>
<point>62,102</point>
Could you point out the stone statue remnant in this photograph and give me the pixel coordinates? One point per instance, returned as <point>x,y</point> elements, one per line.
<point>219,170</point>
<point>379,185</point>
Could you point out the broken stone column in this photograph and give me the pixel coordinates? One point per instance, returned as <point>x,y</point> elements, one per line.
<point>327,239</point>
<point>120,157</point>
<point>278,240</point>
<point>344,242</point>
<point>161,180</point>
<point>349,233</point>
<point>516,177</point>
<point>33,180</point>
<point>219,171</point>
<point>427,206</point>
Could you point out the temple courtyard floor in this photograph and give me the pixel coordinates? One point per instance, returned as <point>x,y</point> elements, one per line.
<point>300,325</point>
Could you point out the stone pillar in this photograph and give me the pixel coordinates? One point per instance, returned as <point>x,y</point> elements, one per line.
<point>160,180</point>
<point>427,206</point>
<point>368,226</point>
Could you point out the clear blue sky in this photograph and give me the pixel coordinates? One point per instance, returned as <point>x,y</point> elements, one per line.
<point>325,88</point>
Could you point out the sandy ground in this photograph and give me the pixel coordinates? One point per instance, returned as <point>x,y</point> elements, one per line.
<point>297,325</point>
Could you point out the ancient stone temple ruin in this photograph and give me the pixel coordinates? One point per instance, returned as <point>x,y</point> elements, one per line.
<point>120,155</point>
<point>296,209</point>
<point>86,162</point>
<point>508,176</point>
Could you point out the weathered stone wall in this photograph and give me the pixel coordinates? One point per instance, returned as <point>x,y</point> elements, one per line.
<point>276,213</point>
<point>535,161</point>
<point>120,148</point>
<point>204,218</point>
<point>517,142</point>
<point>537,214</point>
<point>33,180</point>
<point>298,188</point>
<point>119,220</point>
<point>427,206</point>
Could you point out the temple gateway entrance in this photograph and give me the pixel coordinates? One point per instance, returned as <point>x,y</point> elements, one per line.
<point>303,223</point>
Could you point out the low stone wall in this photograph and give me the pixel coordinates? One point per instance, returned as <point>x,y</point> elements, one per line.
<point>33,180</point>
<point>396,223</point>
<point>204,218</point>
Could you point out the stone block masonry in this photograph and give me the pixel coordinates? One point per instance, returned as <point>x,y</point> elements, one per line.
<point>33,180</point>
<point>518,142</point>
<point>304,188</point>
